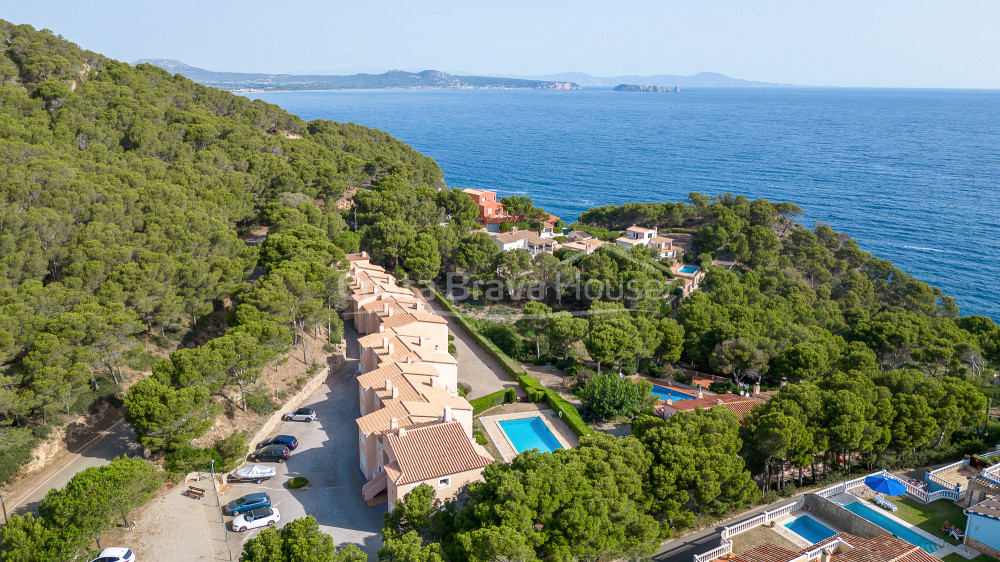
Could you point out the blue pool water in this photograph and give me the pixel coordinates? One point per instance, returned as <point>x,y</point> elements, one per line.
<point>530,433</point>
<point>889,525</point>
<point>809,529</point>
<point>665,393</point>
<point>689,269</point>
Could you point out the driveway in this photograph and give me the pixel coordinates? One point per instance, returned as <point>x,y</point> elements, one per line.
<point>475,366</point>
<point>328,456</point>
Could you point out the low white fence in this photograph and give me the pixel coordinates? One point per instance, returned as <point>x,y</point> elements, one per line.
<point>742,526</point>
<point>932,475</point>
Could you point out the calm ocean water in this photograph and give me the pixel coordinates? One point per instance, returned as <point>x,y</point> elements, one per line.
<point>913,175</point>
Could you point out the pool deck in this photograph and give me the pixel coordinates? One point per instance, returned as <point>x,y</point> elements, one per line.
<point>559,429</point>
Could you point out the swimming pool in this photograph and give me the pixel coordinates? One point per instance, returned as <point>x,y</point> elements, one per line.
<point>809,529</point>
<point>892,526</point>
<point>530,433</point>
<point>689,269</point>
<point>665,393</point>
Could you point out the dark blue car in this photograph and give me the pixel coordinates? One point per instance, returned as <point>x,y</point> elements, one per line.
<point>287,440</point>
<point>247,502</point>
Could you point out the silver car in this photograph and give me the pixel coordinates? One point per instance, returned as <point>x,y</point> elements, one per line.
<point>302,414</point>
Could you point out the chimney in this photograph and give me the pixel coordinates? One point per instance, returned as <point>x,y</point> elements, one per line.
<point>390,349</point>
<point>381,328</point>
<point>402,432</point>
<point>718,401</point>
<point>395,392</point>
<point>670,401</point>
<point>415,305</point>
<point>393,423</point>
<point>388,384</point>
<point>447,413</point>
<point>389,311</point>
<point>385,307</point>
<point>784,381</point>
<point>700,394</point>
<point>364,254</point>
<point>420,341</point>
<point>385,342</point>
<point>826,555</point>
<point>756,389</point>
<point>409,359</point>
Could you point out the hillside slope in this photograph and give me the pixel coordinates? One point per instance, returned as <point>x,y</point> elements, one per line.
<point>122,193</point>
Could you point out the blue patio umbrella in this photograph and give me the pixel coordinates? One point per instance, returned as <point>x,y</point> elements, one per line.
<point>885,485</point>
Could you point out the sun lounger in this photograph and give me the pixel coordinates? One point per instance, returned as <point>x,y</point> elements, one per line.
<point>956,533</point>
<point>885,504</point>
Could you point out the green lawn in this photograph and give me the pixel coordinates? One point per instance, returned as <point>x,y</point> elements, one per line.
<point>955,557</point>
<point>931,516</point>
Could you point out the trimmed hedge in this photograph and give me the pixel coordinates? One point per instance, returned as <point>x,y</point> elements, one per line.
<point>534,389</point>
<point>483,403</point>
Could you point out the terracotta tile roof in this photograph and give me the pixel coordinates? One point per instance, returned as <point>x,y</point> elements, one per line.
<point>739,405</point>
<point>876,549</point>
<point>395,372</point>
<point>662,240</point>
<point>635,228</point>
<point>433,451</point>
<point>406,414</point>
<point>471,191</point>
<point>989,508</point>
<point>629,241</point>
<point>511,237</point>
<point>393,300</point>
<point>363,256</point>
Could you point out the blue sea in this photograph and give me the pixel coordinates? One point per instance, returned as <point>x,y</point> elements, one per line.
<point>913,175</point>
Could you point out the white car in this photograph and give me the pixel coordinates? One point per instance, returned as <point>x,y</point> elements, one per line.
<point>260,517</point>
<point>116,554</point>
<point>302,414</point>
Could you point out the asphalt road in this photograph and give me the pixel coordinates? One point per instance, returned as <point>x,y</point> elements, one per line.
<point>116,440</point>
<point>328,456</point>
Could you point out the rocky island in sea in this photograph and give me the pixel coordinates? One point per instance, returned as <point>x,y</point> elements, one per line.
<point>641,88</point>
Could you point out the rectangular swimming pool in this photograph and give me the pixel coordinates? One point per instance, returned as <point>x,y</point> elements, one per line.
<point>892,526</point>
<point>530,433</point>
<point>665,393</point>
<point>689,269</point>
<point>809,529</point>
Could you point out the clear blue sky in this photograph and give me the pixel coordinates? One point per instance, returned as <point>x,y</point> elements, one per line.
<point>911,43</point>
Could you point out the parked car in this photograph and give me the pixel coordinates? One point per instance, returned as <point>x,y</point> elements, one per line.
<point>260,517</point>
<point>287,440</point>
<point>253,473</point>
<point>302,414</point>
<point>277,453</point>
<point>247,503</point>
<point>115,554</point>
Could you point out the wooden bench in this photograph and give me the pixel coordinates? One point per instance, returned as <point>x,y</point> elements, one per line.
<point>195,492</point>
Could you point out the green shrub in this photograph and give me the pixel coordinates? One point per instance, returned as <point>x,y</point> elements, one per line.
<point>297,482</point>
<point>724,387</point>
<point>40,432</point>
<point>510,395</point>
<point>682,377</point>
<point>628,369</point>
<point>259,402</point>
<point>610,396</point>
<point>770,496</point>
<point>227,453</point>
<point>483,403</point>
<point>464,388</point>
<point>654,370</point>
<point>16,444</point>
<point>452,350</point>
<point>536,395</point>
<point>540,361</point>
<point>329,348</point>
<point>480,437</point>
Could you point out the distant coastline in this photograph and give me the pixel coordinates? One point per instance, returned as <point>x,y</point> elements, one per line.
<point>238,82</point>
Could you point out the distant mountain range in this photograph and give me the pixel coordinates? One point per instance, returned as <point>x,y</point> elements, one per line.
<point>428,79</point>
<point>700,80</point>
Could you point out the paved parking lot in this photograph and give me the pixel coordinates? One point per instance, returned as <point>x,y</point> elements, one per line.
<point>327,455</point>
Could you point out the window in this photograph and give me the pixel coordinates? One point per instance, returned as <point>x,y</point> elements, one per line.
<point>362,436</point>
<point>489,211</point>
<point>444,483</point>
